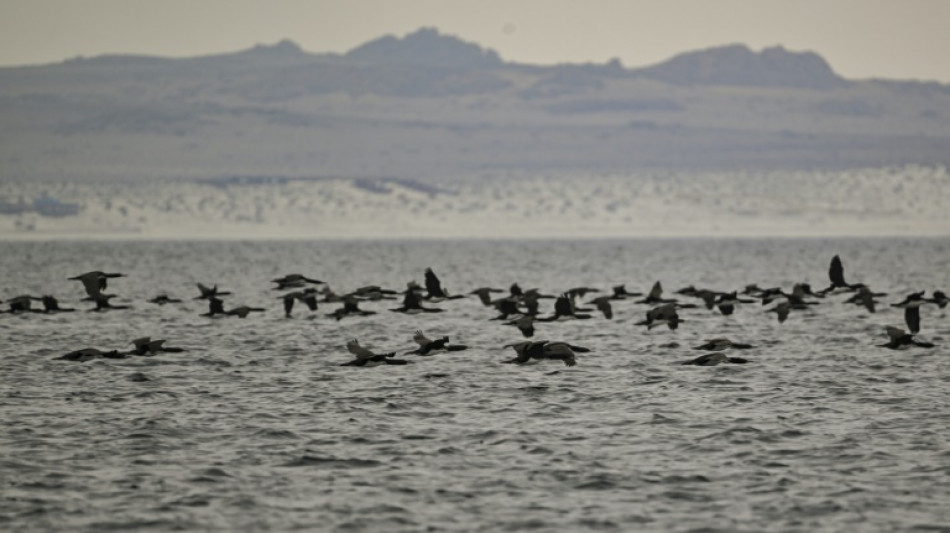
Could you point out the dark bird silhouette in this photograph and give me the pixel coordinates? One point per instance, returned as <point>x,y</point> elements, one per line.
<point>96,281</point>
<point>914,299</point>
<point>722,343</point>
<point>373,293</point>
<point>308,296</point>
<point>350,307</point>
<point>709,297</point>
<point>564,308</point>
<point>163,299</point>
<point>662,315</point>
<point>428,346</point>
<point>22,304</point>
<point>242,311</point>
<point>434,290</point>
<point>368,358</point>
<point>541,350</point>
<point>781,310</point>
<point>484,294</point>
<point>899,339</point>
<point>294,281</point>
<point>507,307</point>
<point>147,346</point>
<point>836,275</point>
<point>209,292</point>
<point>603,305</point>
<point>412,304</point>
<point>726,303</point>
<point>580,292</point>
<point>656,296</point>
<point>88,354</point>
<point>524,323</point>
<point>620,292</point>
<point>51,305</point>
<point>770,295</point>
<point>939,298</point>
<point>713,359</point>
<point>912,318</point>
<point>865,298</point>
<point>531,302</point>
<point>800,291</point>
<point>911,305</point>
<point>215,307</point>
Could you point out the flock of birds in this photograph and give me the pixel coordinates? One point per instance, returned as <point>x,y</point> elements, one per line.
<point>519,308</point>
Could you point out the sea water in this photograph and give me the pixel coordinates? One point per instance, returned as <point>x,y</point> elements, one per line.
<point>257,426</point>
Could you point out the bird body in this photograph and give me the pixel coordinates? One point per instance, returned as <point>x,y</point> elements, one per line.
<point>365,357</point>
<point>713,359</point>
<point>541,350</point>
<point>429,346</point>
<point>96,281</point>
<point>722,343</point>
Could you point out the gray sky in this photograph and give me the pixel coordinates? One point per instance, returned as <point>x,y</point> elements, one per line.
<point>903,39</point>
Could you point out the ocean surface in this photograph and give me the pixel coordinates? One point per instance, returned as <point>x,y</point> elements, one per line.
<point>257,427</point>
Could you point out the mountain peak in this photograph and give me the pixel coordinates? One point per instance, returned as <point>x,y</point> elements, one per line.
<point>737,64</point>
<point>425,46</point>
<point>283,48</point>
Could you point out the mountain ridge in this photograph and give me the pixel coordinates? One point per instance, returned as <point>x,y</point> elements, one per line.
<point>728,64</point>
<point>456,108</point>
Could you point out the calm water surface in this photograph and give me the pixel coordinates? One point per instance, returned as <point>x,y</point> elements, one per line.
<point>256,427</point>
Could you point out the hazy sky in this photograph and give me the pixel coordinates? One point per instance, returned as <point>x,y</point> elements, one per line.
<point>860,38</point>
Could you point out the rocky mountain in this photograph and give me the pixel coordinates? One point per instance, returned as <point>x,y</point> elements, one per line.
<point>737,65</point>
<point>431,106</point>
<point>425,47</point>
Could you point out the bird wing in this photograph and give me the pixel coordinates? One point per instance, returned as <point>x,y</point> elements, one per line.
<point>433,285</point>
<point>421,339</point>
<point>782,310</point>
<point>91,284</point>
<point>353,346</point>
<point>912,317</point>
<point>663,312</point>
<point>603,305</point>
<point>141,343</point>
<point>205,290</point>
<point>657,291</point>
<point>311,301</point>
<point>562,306</point>
<point>894,333</point>
<point>560,351</point>
<point>411,300</point>
<point>836,272</point>
<point>483,295</point>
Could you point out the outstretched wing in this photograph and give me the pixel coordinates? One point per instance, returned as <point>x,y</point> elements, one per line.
<point>836,272</point>
<point>912,317</point>
<point>433,285</point>
<point>93,285</point>
<point>562,306</point>
<point>421,339</point>
<point>657,291</point>
<point>353,346</point>
<point>141,343</point>
<point>894,333</point>
<point>560,351</point>
<point>205,290</point>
